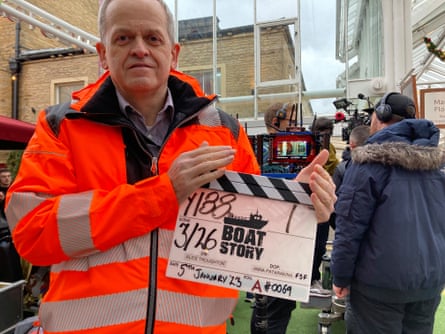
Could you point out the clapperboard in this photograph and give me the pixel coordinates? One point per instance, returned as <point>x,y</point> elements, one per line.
<point>228,231</point>
<point>263,186</point>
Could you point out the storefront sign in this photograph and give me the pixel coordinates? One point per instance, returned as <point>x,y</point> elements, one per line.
<point>433,105</point>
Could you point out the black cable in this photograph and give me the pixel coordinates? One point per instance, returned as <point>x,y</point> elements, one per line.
<point>273,126</point>
<point>292,115</point>
<point>152,271</point>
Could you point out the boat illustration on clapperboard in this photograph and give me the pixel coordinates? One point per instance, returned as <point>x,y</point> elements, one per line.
<point>255,220</point>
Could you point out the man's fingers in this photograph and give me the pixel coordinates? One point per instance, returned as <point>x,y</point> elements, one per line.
<point>193,169</point>
<point>323,193</point>
<point>212,161</point>
<point>204,159</point>
<point>321,158</point>
<point>209,176</point>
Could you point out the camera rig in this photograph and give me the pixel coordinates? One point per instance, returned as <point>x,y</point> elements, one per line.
<point>285,153</point>
<point>355,116</point>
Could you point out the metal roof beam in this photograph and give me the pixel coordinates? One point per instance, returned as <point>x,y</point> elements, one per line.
<point>35,16</point>
<point>425,23</point>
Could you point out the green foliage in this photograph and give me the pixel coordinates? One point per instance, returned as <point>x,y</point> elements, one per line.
<point>14,159</point>
<point>433,49</point>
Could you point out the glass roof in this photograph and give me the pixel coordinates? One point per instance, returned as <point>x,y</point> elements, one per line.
<point>428,20</point>
<point>353,19</point>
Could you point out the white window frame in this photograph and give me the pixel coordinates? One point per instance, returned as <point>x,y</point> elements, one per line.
<point>56,84</point>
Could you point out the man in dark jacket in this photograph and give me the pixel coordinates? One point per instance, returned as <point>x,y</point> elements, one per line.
<point>390,234</point>
<point>5,182</point>
<point>358,137</point>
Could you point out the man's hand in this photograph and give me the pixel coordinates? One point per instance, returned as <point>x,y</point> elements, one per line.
<point>191,170</point>
<point>323,188</point>
<point>340,292</point>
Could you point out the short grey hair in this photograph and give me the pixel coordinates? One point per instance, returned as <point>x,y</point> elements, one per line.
<point>102,21</point>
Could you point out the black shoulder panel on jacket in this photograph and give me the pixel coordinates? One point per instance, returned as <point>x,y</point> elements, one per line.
<point>230,123</point>
<point>55,114</point>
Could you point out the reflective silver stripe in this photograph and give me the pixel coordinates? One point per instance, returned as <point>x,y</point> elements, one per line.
<point>193,310</point>
<point>120,308</point>
<point>165,242</point>
<point>76,315</point>
<point>73,218</point>
<point>130,250</point>
<point>20,205</point>
<point>69,216</point>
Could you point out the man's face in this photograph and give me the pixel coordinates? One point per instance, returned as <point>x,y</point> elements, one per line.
<point>284,124</point>
<point>5,179</point>
<point>136,48</point>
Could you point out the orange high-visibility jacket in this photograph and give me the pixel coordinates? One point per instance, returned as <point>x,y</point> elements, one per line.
<point>87,198</point>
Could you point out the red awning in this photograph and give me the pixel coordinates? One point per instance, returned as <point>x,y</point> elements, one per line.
<point>14,134</point>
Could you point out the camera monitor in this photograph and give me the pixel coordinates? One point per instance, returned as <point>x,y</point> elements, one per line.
<point>292,148</point>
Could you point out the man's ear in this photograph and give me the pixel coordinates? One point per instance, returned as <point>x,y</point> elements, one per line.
<point>276,122</point>
<point>101,51</point>
<point>175,54</point>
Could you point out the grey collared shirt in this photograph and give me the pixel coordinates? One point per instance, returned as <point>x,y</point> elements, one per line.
<point>158,131</point>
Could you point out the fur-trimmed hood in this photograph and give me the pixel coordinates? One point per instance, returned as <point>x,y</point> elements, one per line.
<point>411,157</point>
<point>410,144</point>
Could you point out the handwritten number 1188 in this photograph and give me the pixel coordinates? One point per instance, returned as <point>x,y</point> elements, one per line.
<point>209,203</point>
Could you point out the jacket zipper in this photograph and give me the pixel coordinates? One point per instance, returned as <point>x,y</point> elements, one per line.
<point>154,166</point>
<point>152,268</point>
<point>154,239</point>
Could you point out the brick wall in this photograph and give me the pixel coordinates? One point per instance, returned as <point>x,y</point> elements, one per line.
<point>235,56</point>
<point>36,91</point>
<point>36,76</point>
<point>7,37</point>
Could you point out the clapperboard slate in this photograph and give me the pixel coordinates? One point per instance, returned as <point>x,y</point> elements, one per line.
<point>247,232</point>
<point>262,186</point>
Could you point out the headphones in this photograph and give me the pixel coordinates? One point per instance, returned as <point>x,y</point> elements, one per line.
<point>281,114</point>
<point>384,111</point>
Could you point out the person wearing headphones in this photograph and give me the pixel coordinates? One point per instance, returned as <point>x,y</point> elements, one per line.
<point>388,254</point>
<point>271,315</point>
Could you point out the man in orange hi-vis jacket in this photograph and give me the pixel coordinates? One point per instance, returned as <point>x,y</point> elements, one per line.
<point>101,181</point>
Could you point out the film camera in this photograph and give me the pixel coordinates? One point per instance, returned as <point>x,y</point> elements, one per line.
<point>355,116</point>
<point>284,153</point>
